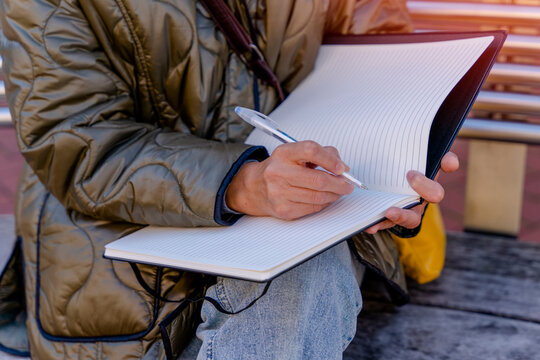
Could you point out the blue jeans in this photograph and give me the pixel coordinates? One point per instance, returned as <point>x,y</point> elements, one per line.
<point>308,312</point>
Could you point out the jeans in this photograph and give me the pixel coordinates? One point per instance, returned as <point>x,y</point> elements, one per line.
<point>308,312</point>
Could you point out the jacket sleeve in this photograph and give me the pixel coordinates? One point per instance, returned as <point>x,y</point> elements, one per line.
<point>367,17</point>
<point>78,129</point>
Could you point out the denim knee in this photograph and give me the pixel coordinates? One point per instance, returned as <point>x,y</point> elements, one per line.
<point>308,312</point>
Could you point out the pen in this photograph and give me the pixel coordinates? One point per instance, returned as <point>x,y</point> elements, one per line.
<point>270,127</point>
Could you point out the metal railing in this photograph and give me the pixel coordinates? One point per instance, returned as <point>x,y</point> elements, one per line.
<point>445,15</point>
<point>515,74</point>
<point>5,116</point>
<point>525,45</point>
<point>509,131</point>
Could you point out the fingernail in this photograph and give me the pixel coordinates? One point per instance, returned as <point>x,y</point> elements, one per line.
<point>340,168</point>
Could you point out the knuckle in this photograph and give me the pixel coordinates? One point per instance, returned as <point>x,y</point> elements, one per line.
<point>271,171</point>
<point>415,222</point>
<point>311,148</point>
<point>278,151</point>
<point>332,149</point>
<point>316,197</point>
<point>282,211</point>
<point>320,181</point>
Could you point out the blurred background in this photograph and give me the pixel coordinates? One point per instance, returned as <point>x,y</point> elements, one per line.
<point>497,189</point>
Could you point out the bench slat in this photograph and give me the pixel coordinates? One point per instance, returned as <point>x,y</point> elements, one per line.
<point>5,116</point>
<point>521,45</point>
<point>501,131</point>
<point>505,102</point>
<point>514,74</point>
<point>476,13</point>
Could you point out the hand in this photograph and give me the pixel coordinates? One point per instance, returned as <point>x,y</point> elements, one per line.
<point>429,190</point>
<point>287,185</point>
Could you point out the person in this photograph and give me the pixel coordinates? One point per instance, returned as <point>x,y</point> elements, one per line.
<point>123,111</point>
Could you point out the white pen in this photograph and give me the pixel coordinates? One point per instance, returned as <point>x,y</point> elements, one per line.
<point>270,127</point>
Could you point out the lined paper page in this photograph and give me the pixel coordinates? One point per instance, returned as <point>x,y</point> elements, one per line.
<point>379,104</point>
<point>259,243</point>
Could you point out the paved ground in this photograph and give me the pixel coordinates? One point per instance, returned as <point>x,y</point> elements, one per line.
<point>484,306</point>
<point>452,206</point>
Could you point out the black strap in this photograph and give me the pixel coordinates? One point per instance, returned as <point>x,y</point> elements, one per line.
<point>189,299</point>
<point>241,43</point>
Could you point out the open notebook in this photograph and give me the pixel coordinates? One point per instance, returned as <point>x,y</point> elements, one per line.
<point>388,108</point>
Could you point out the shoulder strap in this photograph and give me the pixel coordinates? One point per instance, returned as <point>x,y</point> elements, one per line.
<point>241,43</point>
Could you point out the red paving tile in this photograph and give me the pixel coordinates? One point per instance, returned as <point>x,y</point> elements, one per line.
<point>530,236</point>
<point>530,216</point>
<point>454,184</point>
<point>532,179</point>
<point>6,203</point>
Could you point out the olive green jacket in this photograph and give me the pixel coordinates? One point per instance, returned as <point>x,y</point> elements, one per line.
<point>123,112</point>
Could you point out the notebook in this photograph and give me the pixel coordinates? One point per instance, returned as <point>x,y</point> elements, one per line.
<point>388,103</point>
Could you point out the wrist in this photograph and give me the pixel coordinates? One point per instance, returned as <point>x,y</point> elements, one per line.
<point>240,196</point>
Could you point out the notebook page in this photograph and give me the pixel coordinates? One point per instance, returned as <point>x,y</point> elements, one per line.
<point>375,104</point>
<point>259,243</point>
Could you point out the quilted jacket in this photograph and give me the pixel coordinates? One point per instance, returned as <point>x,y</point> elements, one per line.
<point>123,112</point>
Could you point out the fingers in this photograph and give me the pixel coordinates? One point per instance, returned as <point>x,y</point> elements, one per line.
<point>428,189</point>
<point>291,210</point>
<point>333,151</point>
<point>308,196</point>
<point>449,162</point>
<point>287,185</point>
<point>408,218</point>
<point>386,224</point>
<point>301,177</point>
<point>310,152</point>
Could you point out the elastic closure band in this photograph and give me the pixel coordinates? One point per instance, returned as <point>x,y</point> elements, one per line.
<point>189,299</point>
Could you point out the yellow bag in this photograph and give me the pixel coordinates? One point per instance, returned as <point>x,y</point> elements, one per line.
<point>422,256</point>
